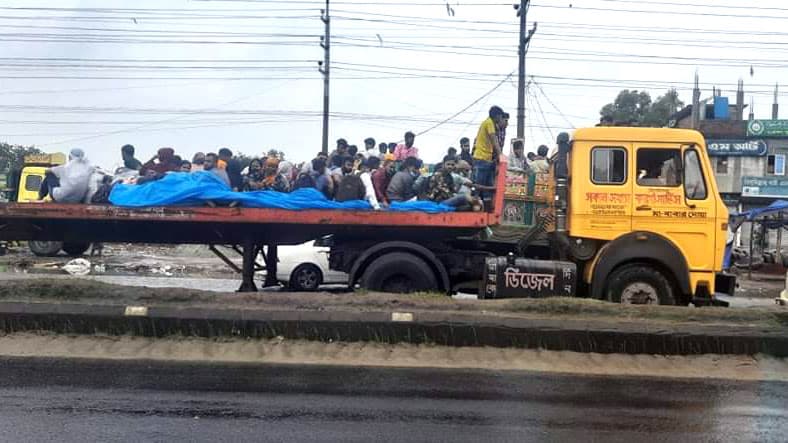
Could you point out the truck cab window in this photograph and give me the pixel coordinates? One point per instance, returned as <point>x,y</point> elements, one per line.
<point>608,166</point>
<point>658,167</point>
<point>694,185</point>
<point>33,183</point>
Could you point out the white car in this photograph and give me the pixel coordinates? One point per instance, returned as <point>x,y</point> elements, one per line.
<point>304,267</point>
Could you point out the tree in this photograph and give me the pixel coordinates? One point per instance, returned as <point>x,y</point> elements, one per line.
<point>12,156</point>
<point>635,108</point>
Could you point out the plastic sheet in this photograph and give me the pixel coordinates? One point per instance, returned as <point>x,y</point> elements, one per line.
<point>196,188</point>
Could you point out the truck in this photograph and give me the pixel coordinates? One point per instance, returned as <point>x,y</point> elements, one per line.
<point>25,190</point>
<point>632,215</point>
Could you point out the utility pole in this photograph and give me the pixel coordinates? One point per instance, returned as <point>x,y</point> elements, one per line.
<point>324,68</point>
<point>522,12</point>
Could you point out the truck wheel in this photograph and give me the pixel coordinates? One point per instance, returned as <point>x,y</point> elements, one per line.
<point>45,248</point>
<point>76,249</point>
<point>399,272</point>
<point>306,277</point>
<point>641,285</point>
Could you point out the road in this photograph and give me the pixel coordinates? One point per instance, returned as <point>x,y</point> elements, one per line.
<point>103,400</point>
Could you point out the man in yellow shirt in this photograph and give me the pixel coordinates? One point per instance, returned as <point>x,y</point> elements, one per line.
<point>487,149</point>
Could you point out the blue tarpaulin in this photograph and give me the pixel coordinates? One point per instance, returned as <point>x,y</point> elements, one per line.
<point>752,214</point>
<point>195,189</point>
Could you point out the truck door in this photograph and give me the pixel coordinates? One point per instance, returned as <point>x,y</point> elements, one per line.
<point>600,201</point>
<point>671,198</point>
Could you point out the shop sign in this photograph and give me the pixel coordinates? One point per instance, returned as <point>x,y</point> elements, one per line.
<point>767,128</point>
<point>771,187</point>
<point>737,148</point>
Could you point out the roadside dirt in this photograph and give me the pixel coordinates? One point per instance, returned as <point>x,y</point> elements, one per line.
<point>74,290</point>
<point>280,351</point>
<point>128,259</point>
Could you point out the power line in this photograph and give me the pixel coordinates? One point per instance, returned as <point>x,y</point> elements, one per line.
<point>467,107</point>
<point>551,102</point>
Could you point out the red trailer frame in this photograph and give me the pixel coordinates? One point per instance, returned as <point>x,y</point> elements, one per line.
<point>250,227</point>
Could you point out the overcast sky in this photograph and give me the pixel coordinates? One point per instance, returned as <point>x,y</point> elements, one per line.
<point>198,75</point>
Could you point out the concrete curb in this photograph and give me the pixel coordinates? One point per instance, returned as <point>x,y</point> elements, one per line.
<point>442,328</point>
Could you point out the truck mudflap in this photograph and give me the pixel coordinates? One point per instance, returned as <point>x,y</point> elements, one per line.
<point>510,277</point>
<point>725,285</point>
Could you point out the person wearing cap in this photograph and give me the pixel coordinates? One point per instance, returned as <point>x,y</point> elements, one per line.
<point>405,150</point>
<point>70,182</point>
<point>487,148</point>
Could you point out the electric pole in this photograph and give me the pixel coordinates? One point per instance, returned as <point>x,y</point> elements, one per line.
<point>324,69</point>
<point>525,39</point>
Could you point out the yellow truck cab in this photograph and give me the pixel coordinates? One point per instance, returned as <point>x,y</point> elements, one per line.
<point>33,172</point>
<point>644,216</point>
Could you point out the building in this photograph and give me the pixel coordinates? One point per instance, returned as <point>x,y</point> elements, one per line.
<point>748,156</point>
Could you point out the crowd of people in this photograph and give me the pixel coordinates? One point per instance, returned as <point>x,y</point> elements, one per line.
<point>380,173</point>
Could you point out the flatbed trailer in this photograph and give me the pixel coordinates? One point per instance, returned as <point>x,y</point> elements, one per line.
<point>254,230</point>
<point>630,215</point>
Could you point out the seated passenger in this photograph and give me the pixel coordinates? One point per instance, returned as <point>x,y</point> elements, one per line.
<point>129,162</point>
<point>352,187</point>
<point>210,165</point>
<point>186,166</point>
<point>286,171</point>
<point>161,163</point>
<point>197,161</point>
<point>540,165</point>
<point>323,182</point>
<point>443,189</point>
<point>369,166</point>
<point>253,179</point>
<point>382,177</point>
<point>233,168</point>
<point>346,168</point>
<point>272,179</point>
<point>401,185</point>
<point>68,183</point>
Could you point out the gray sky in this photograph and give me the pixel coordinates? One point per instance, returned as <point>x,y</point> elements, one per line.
<point>198,75</point>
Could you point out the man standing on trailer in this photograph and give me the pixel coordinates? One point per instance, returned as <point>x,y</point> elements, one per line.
<point>487,148</point>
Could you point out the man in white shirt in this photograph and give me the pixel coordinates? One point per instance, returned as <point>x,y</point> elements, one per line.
<point>367,168</point>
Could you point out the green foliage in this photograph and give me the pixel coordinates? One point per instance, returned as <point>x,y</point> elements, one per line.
<point>12,156</point>
<point>636,108</point>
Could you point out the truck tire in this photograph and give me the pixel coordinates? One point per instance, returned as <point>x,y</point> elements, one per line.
<point>399,272</point>
<point>45,248</point>
<point>639,284</point>
<point>76,249</point>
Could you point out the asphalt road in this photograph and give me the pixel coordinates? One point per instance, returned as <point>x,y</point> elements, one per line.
<point>86,400</point>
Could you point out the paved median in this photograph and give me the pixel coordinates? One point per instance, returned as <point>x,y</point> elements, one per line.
<point>85,307</point>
